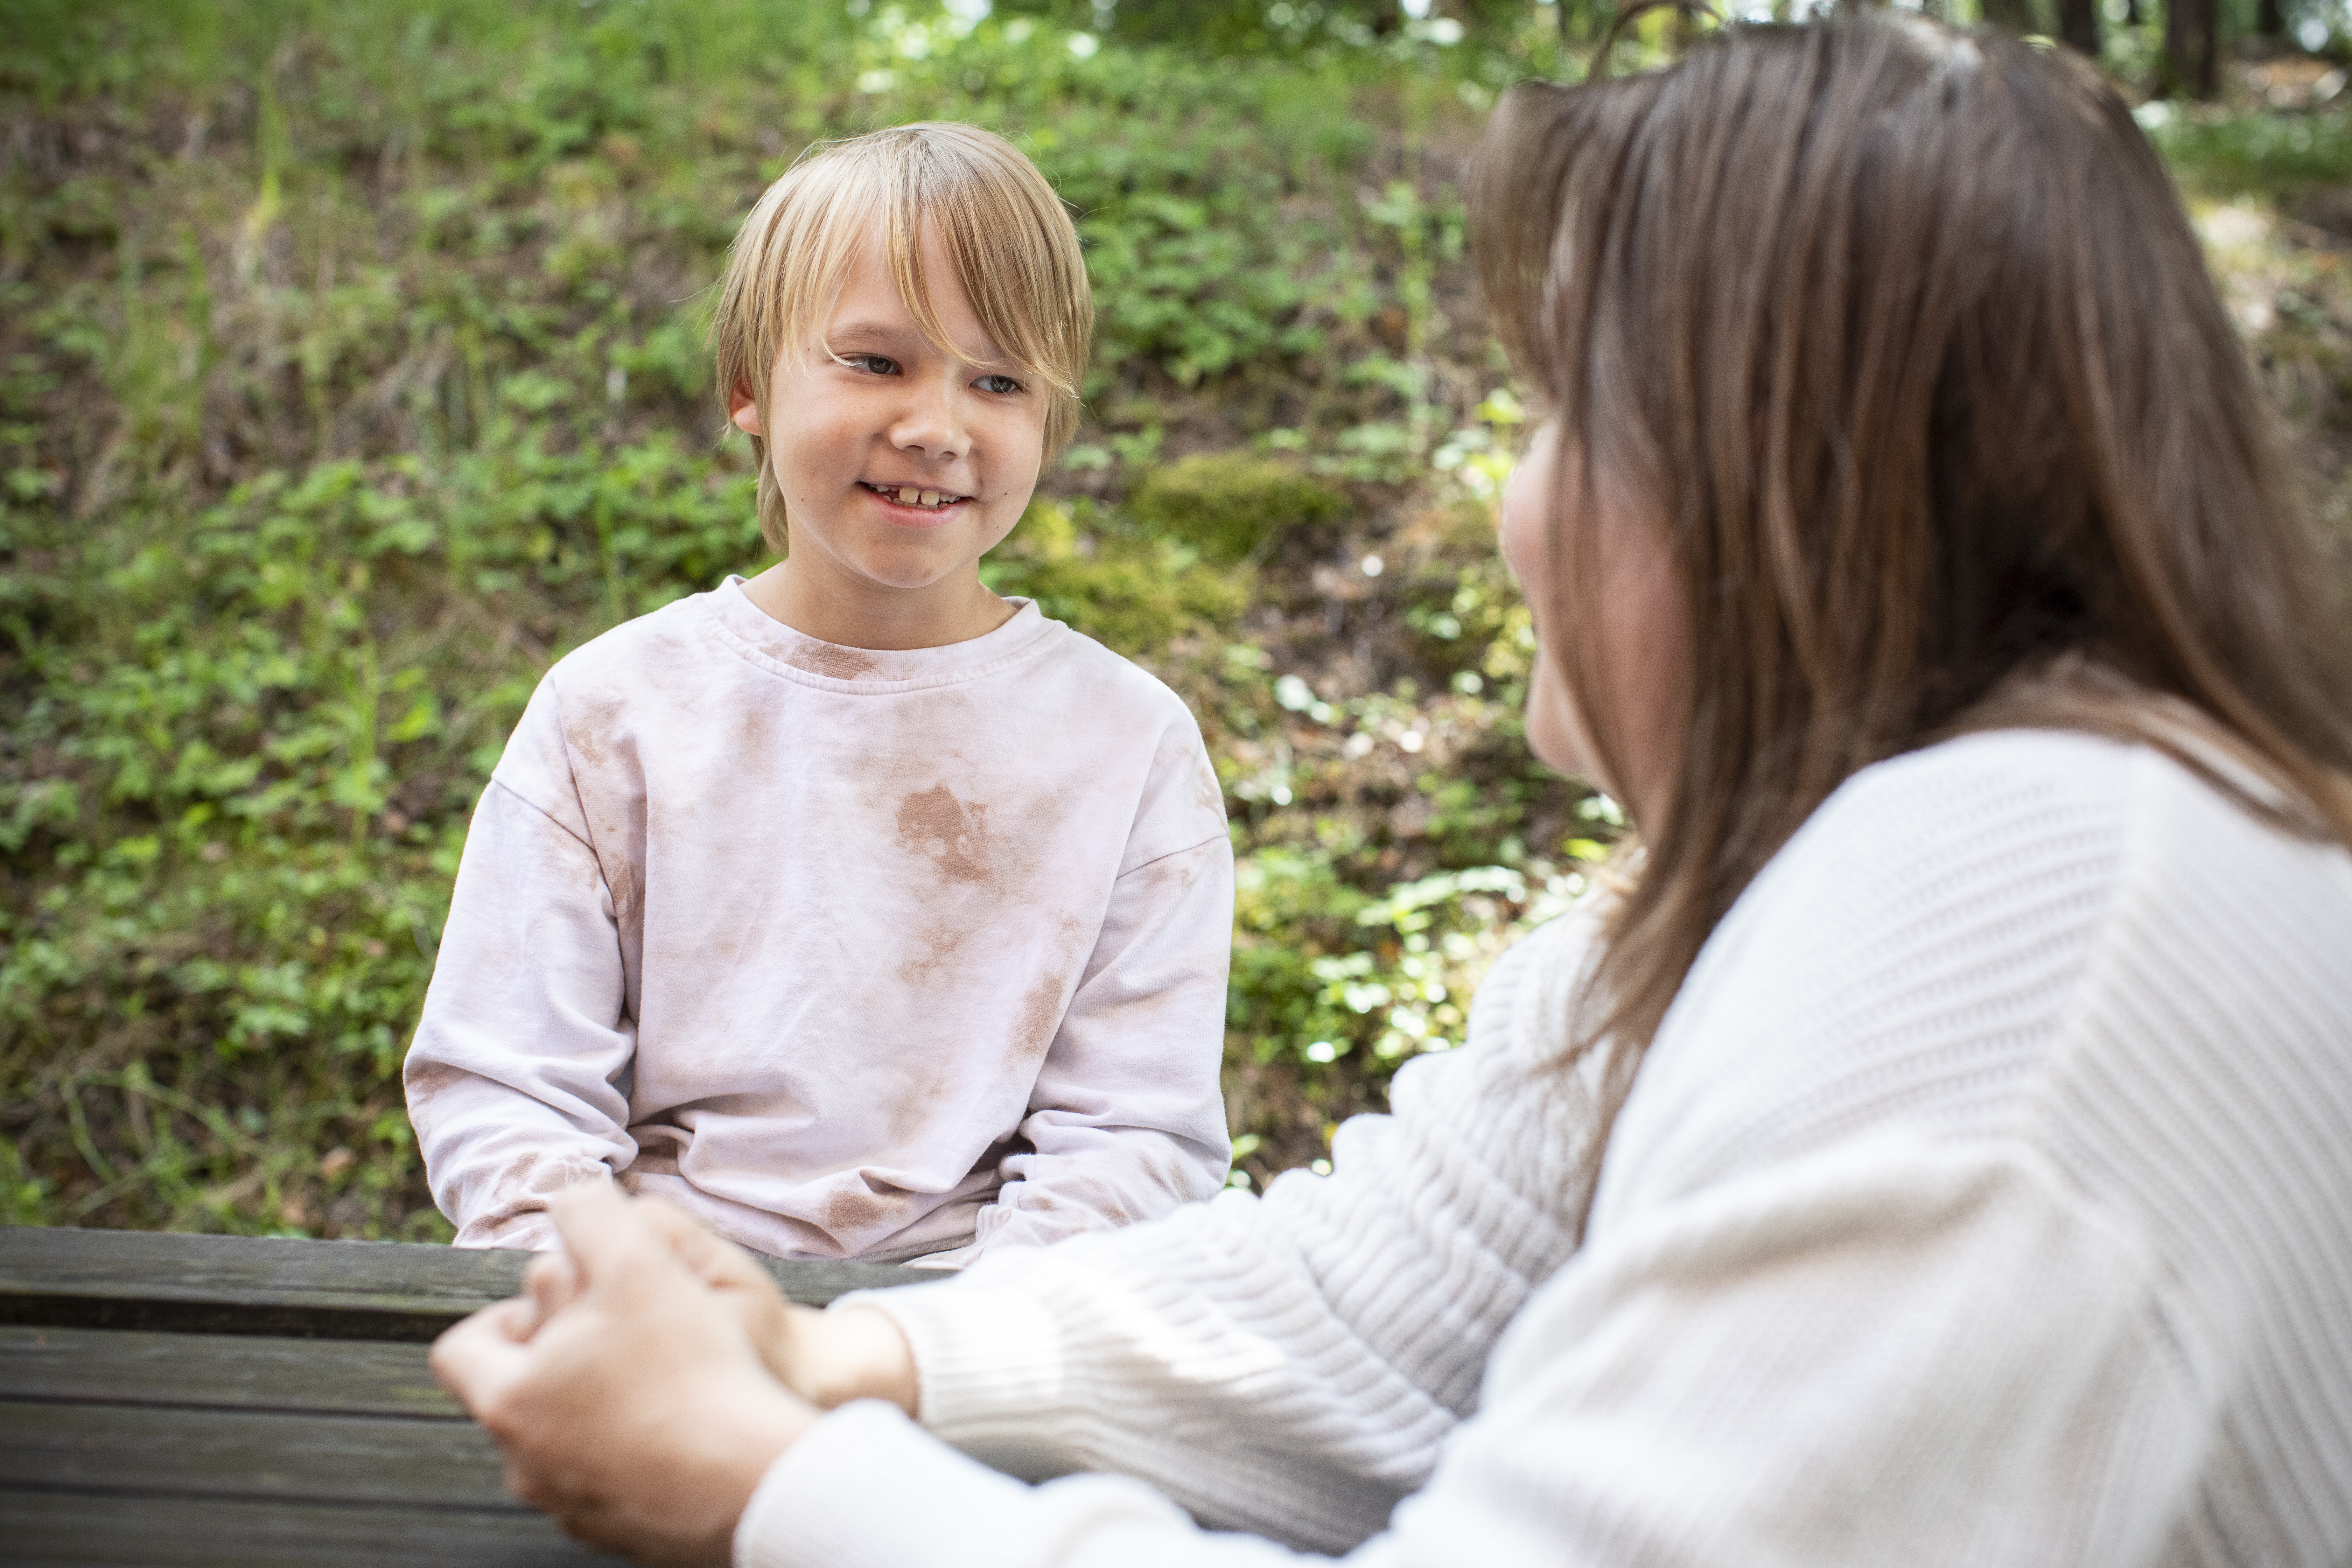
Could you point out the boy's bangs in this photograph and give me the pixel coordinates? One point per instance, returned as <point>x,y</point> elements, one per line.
<point>993,217</point>
<point>1008,267</point>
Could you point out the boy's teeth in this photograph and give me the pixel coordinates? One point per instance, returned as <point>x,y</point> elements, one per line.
<point>912,495</point>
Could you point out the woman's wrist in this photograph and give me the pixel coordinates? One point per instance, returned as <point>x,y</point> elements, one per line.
<point>857,1352</point>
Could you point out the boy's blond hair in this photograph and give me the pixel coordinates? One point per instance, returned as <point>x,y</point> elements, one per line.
<point>1013,246</point>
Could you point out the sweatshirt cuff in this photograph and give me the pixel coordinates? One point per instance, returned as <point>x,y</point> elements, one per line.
<point>990,1367</point>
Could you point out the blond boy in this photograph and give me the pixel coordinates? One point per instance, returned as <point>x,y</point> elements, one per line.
<point>852,908</point>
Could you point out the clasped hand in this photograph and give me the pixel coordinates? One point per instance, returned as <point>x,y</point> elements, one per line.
<point>651,1373</point>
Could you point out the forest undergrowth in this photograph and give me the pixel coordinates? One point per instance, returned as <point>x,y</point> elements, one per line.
<point>352,370</point>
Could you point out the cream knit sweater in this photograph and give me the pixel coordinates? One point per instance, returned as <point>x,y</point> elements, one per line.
<point>1985,1198</point>
<point>853,954</point>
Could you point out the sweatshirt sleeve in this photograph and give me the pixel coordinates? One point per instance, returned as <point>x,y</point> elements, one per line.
<point>1127,1119</point>
<point>512,1079</point>
<point>1289,1364</point>
<point>1877,1357</point>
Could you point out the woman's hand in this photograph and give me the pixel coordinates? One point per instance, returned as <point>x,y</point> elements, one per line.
<point>628,1397</point>
<point>827,1358</point>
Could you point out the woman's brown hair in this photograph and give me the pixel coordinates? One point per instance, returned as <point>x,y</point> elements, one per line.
<point>1902,338</point>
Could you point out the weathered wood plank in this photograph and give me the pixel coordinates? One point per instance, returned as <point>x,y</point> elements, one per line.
<point>136,1280</point>
<point>48,1530</point>
<point>256,1456</point>
<point>220,1371</point>
<point>244,1285</point>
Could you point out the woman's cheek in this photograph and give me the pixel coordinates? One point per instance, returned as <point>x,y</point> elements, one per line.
<point>1554,732</point>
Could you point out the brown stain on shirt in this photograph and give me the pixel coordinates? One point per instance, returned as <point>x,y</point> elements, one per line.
<point>1176,873</point>
<point>849,1211</point>
<point>1040,1020</point>
<point>588,726</point>
<point>1040,1017</point>
<point>939,943</point>
<point>622,879</point>
<point>834,663</point>
<point>758,724</point>
<point>426,1081</point>
<point>925,1088</point>
<point>517,1174</point>
<point>1207,792</point>
<point>952,833</point>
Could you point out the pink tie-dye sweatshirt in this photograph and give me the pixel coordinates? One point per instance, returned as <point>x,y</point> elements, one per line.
<point>851,952</point>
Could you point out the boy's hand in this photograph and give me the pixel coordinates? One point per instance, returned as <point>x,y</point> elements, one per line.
<point>827,1358</point>
<point>640,1414</point>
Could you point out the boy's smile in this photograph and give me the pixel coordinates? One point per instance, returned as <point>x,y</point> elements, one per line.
<point>900,464</point>
<point>914,496</point>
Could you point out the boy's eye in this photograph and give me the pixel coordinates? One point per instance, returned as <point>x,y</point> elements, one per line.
<point>872,364</point>
<point>1003,385</point>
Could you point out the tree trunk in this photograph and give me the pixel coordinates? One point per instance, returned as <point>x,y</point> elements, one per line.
<point>2078,24</point>
<point>2009,15</point>
<point>2192,60</point>
<point>2270,19</point>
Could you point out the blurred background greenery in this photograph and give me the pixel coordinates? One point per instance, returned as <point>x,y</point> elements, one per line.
<point>351,370</point>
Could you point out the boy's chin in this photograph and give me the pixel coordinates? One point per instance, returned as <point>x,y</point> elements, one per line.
<point>917,576</point>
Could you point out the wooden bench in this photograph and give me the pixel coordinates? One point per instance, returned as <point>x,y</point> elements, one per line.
<point>186,1400</point>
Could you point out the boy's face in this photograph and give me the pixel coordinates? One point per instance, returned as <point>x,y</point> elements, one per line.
<point>900,466</point>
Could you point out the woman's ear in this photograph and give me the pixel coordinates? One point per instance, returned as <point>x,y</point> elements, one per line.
<point>744,410</point>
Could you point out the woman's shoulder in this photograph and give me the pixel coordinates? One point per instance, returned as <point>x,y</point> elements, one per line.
<point>1964,937</point>
<point>2024,852</point>
<point>2011,818</point>
<point>1942,799</point>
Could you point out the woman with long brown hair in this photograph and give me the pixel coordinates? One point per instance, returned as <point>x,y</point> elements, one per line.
<point>1934,1150</point>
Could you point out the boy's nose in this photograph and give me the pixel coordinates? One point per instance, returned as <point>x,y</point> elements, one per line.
<point>929,423</point>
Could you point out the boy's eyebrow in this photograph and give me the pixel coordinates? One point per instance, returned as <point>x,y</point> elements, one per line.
<point>894,334</point>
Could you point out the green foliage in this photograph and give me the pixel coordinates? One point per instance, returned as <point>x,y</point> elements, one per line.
<point>1230,506</point>
<point>1135,593</point>
<point>1323,970</point>
<point>352,370</point>
<point>250,810</point>
<point>2227,149</point>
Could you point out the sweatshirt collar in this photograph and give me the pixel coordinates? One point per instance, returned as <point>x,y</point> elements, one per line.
<point>767,641</point>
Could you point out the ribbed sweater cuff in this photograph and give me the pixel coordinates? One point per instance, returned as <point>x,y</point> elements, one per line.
<point>990,1363</point>
<point>866,1488</point>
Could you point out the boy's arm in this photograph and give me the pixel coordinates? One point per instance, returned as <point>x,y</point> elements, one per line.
<point>1127,1117</point>
<point>512,1078</point>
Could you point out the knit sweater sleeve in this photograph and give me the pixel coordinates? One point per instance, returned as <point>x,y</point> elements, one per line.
<point>1828,1365</point>
<point>1288,1365</point>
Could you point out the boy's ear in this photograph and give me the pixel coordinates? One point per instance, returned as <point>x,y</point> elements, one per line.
<point>744,411</point>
